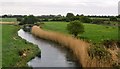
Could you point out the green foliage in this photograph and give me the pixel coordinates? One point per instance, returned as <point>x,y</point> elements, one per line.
<point>85,19</point>
<point>75,28</point>
<point>29,20</point>
<point>113,18</point>
<point>93,32</point>
<point>69,17</point>
<point>19,19</point>
<point>97,21</point>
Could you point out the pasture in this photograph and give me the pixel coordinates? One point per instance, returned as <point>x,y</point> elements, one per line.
<point>8,19</point>
<point>93,32</point>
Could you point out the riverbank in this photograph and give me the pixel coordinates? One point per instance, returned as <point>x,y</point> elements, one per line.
<point>16,52</point>
<point>78,47</point>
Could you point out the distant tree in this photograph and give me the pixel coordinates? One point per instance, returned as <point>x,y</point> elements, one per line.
<point>29,20</point>
<point>75,28</point>
<point>77,15</point>
<point>118,16</point>
<point>4,16</point>
<point>97,21</point>
<point>69,17</point>
<point>85,19</point>
<point>113,18</point>
<point>19,19</point>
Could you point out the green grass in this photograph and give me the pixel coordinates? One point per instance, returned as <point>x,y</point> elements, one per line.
<point>12,44</point>
<point>8,20</point>
<point>0,46</point>
<point>93,32</point>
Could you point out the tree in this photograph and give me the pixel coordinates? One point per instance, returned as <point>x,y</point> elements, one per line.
<point>29,20</point>
<point>113,18</point>
<point>75,28</point>
<point>69,17</point>
<point>19,19</point>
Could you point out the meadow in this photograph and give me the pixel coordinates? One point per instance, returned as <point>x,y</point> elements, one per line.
<point>12,45</point>
<point>8,20</point>
<point>93,32</point>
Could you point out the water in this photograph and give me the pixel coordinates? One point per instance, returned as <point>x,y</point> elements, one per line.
<point>52,54</point>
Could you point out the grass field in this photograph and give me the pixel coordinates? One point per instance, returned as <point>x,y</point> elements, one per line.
<point>12,45</point>
<point>8,19</point>
<point>93,32</point>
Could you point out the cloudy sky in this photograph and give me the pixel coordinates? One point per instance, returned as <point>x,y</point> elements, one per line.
<point>46,7</point>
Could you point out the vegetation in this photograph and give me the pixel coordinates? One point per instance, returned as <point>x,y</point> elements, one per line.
<point>75,28</point>
<point>99,52</point>
<point>85,19</point>
<point>94,33</point>
<point>8,20</point>
<point>113,18</point>
<point>0,46</point>
<point>78,47</point>
<point>96,30</point>
<point>69,17</point>
<point>12,45</point>
<point>29,20</point>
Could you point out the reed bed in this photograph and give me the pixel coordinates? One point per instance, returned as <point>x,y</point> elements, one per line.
<point>79,47</point>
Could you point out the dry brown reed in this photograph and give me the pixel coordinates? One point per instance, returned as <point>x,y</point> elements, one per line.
<point>79,47</point>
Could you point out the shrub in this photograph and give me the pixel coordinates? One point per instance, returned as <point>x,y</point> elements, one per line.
<point>97,21</point>
<point>113,18</point>
<point>85,19</point>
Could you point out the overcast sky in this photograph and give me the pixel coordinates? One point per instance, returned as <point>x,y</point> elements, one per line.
<point>46,7</point>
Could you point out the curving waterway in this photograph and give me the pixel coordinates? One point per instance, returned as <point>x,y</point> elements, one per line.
<point>52,54</point>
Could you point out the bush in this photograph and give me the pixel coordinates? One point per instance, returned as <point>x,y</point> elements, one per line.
<point>19,19</point>
<point>75,28</point>
<point>97,21</point>
<point>85,19</point>
<point>113,18</point>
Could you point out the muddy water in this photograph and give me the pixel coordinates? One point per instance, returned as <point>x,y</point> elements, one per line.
<point>52,54</point>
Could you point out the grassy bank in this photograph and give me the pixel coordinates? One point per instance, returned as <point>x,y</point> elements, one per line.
<point>0,46</point>
<point>93,32</point>
<point>12,45</point>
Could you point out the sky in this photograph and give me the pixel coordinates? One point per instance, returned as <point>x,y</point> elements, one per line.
<point>55,7</point>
